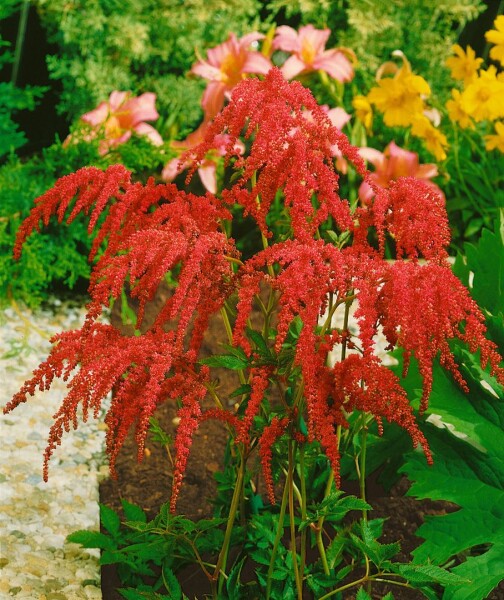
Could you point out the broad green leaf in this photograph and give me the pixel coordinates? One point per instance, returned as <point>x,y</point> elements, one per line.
<point>486,261</point>
<point>467,440</point>
<point>429,574</point>
<point>91,539</point>
<point>226,361</point>
<point>132,512</point>
<point>110,520</point>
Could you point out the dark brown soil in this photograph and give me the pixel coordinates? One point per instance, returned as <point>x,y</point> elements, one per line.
<point>148,484</point>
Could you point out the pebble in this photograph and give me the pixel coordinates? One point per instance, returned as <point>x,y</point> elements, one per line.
<point>36,562</point>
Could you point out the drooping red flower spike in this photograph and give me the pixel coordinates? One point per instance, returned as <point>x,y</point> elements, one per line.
<point>148,230</point>
<point>292,141</point>
<point>269,435</point>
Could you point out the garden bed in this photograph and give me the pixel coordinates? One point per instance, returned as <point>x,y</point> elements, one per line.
<point>149,484</point>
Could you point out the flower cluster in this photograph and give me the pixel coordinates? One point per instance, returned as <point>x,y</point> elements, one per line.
<point>234,60</point>
<point>483,89</point>
<point>153,229</point>
<point>114,121</point>
<point>402,100</point>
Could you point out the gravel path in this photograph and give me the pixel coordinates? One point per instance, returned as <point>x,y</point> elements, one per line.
<point>36,562</point>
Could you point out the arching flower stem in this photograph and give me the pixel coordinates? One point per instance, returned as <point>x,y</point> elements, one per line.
<point>290,485</point>
<point>220,567</point>
<point>276,542</point>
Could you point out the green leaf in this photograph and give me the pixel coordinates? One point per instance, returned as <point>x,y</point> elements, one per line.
<point>110,520</point>
<point>242,390</point>
<point>362,595</point>
<point>132,512</point>
<point>172,584</point>
<point>91,539</point>
<point>486,260</point>
<point>465,436</point>
<point>233,585</point>
<point>260,343</point>
<point>429,574</point>
<point>226,361</point>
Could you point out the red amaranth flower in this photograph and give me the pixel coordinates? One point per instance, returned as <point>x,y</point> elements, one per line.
<point>413,212</point>
<point>423,307</point>
<point>290,152</point>
<point>151,229</point>
<point>269,435</point>
<point>362,383</point>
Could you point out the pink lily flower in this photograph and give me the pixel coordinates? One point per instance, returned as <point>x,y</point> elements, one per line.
<point>226,65</point>
<point>391,164</point>
<point>120,116</point>
<point>207,170</point>
<point>339,118</point>
<point>309,53</point>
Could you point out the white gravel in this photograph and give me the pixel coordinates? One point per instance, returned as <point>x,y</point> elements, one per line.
<point>36,562</point>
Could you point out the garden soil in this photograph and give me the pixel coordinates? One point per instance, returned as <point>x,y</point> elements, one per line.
<point>148,484</point>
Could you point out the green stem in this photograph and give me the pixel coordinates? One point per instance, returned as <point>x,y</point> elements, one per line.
<point>290,486</point>
<point>21,33</point>
<point>303,509</point>
<point>276,542</point>
<point>220,567</point>
<point>362,470</point>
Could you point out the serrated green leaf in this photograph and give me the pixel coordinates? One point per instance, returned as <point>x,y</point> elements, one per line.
<point>226,361</point>
<point>171,583</point>
<point>467,442</point>
<point>132,512</point>
<point>486,261</point>
<point>233,585</point>
<point>428,574</point>
<point>241,390</point>
<point>260,343</point>
<point>110,520</point>
<point>362,595</point>
<point>91,539</point>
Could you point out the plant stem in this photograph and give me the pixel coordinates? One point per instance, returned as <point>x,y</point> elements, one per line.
<point>290,481</point>
<point>276,542</point>
<point>220,567</point>
<point>362,470</point>
<point>21,33</point>
<point>320,523</point>
<point>303,509</point>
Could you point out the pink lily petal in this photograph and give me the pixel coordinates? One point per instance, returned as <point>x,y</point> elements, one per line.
<point>365,192</point>
<point>335,64</point>
<point>256,62</point>
<point>292,66</point>
<point>427,171</point>
<point>338,117</point>
<point>98,115</point>
<point>342,164</point>
<point>150,132</point>
<point>140,109</point>
<point>316,38</point>
<point>213,98</point>
<point>249,38</point>
<point>375,157</point>
<point>286,39</point>
<point>117,98</point>
<point>172,169</point>
<point>207,71</point>
<point>218,54</point>
<point>208,175</point>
